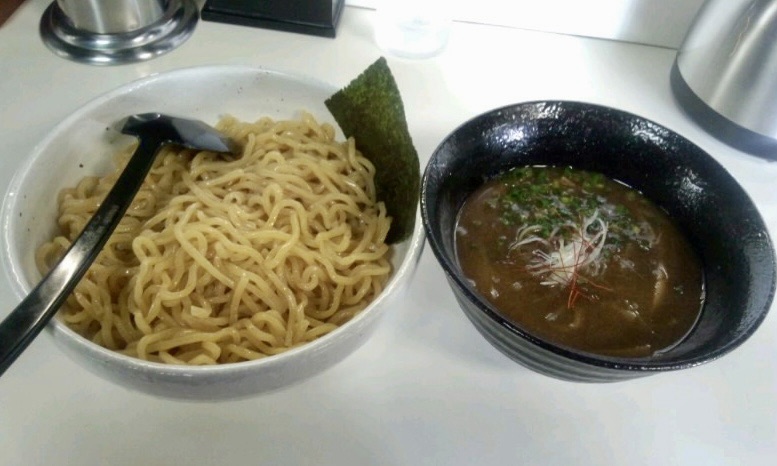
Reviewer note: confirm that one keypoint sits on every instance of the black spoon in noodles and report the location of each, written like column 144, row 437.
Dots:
column 153, row 130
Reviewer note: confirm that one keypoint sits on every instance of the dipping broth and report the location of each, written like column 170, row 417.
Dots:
column 580, row 260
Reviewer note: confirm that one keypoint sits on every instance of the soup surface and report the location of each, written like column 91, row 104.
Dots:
column 581, row 260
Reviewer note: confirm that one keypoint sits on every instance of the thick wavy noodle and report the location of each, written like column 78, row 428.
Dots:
column 221, row 261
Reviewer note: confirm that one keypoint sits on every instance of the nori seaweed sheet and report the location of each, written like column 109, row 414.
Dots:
column 370, row 109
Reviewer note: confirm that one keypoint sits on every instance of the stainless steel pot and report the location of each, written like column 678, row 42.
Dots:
column 116, row 16
column 725, row 73
column 109, row 32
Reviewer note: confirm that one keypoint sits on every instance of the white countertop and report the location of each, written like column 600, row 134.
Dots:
column 426, row 389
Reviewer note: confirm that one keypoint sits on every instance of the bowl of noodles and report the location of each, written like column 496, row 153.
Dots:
column 590, row 244
column 227, row 277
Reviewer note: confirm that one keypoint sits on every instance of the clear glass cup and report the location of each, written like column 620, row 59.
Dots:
column 412, row 28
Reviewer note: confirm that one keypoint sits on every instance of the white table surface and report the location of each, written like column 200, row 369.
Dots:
column 426, row 389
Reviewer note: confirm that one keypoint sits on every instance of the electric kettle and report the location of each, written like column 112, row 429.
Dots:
column 725, row 73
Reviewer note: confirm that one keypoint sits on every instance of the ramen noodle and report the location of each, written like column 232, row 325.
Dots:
column 223, row 260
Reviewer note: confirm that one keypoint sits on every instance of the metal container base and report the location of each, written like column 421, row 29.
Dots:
column 65, row 40
column 717, row 125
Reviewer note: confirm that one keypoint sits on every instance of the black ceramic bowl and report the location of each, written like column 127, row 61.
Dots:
column 710, row 207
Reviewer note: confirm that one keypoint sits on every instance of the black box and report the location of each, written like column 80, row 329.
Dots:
column 316, row 17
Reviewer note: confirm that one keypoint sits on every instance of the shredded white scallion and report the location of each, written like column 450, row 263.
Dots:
column 562, row 264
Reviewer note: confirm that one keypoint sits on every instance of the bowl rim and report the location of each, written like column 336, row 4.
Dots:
column 646, row 364
column 63, row 334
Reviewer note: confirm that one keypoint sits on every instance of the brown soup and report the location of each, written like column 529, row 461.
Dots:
column 580, row 260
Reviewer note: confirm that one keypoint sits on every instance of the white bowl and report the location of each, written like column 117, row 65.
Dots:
column 81, row 145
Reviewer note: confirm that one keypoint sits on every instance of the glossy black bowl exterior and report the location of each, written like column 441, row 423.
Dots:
column 707, row 203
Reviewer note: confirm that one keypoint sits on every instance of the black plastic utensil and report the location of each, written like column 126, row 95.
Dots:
column 153, row 130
